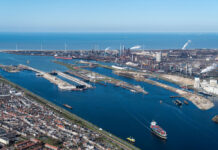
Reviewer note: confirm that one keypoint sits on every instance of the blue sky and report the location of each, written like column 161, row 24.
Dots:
column 109, row 16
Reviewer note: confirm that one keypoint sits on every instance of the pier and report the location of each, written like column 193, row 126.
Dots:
column 60, row 83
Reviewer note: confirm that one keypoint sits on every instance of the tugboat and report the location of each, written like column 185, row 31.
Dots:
column 158, row 131
column 130, row 139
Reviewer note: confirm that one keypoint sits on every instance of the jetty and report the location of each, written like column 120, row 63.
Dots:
column 60, row 83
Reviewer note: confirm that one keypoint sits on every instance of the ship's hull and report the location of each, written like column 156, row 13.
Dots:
column 158, row 135
column 63, row 57
column 67, row 106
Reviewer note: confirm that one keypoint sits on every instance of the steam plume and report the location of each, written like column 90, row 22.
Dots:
column 186, row 44
column 209, row 68
column 108, row 48
column 136, row 47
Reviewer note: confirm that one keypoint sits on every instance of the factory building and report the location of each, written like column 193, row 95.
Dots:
column 158, row 57
column 210, row 87
column 197, row 83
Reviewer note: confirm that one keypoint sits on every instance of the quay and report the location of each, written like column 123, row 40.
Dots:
column 76, row 80
column 199, row 101
column 60, row 83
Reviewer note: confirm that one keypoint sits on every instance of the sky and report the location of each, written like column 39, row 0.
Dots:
column 108, row 15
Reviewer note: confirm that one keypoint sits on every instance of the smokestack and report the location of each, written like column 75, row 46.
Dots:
column 120, row 50
column 123, row 49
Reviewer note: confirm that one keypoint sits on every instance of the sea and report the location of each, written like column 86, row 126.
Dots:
column 101, row 41
column 114, row 109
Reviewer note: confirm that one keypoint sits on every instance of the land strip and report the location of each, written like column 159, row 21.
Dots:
column 108, row 137
column 98, row 78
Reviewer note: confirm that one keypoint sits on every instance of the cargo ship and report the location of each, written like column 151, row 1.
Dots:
column 67, row 106
column 57, row 57
column 158, row 131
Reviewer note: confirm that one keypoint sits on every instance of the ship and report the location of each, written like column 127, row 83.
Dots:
column 67, row 106
column 177, row 96
column 204, row 93
column 158, row 131
column 39, row 74
column 177, row 102
column 134, row 91
column 53, row 73
column 130, row 139
column 57, row 57
column 118, row 67
column 185, row 87
column 186, row 102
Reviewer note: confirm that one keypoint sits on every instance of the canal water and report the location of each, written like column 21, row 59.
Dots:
column 122, row 112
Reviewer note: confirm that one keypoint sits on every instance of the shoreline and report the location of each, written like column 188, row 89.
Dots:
column 199, row 101
column 108, row 137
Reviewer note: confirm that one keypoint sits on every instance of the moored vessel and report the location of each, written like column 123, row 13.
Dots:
column 57, row 57
column 177, row 102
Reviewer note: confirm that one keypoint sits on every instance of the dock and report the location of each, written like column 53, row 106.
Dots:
column 60, row 83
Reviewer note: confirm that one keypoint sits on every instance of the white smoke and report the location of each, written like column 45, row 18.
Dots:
column 136, row 47
column 186, row 44
column 209, row 68
column 108, row 48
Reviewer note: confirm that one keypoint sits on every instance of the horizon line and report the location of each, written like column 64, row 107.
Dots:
column 199, row 32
